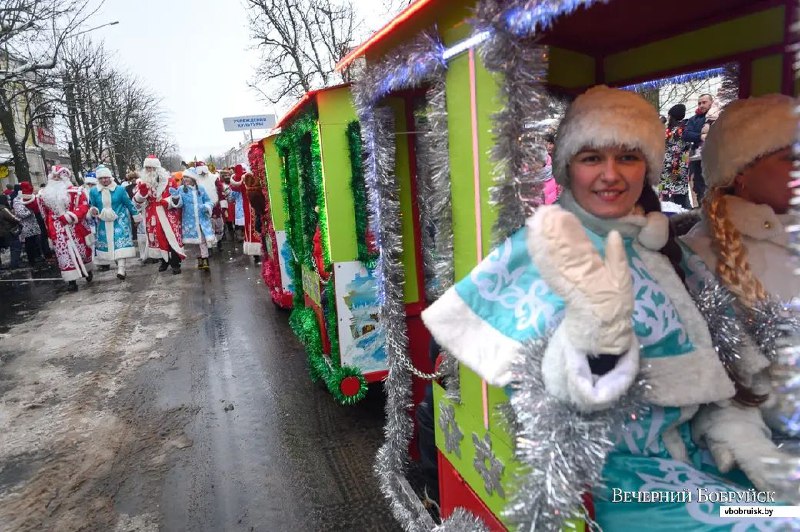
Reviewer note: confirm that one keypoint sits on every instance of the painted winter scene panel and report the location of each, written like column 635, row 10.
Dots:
column 361, row 340
column 285, row 260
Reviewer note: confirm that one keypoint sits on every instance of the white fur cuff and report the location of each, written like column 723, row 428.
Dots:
column 567, row 375
column 471, row 340
column 71, row 217
column 223, row 204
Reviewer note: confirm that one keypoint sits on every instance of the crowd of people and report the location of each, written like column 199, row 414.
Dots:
column 682, row 181
column 154, row 215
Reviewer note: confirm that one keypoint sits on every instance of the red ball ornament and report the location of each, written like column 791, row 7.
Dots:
column 350, row 386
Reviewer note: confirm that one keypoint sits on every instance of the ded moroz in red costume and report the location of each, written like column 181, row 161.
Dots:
column 64, row 208
column 252, row 238
column 162, row 212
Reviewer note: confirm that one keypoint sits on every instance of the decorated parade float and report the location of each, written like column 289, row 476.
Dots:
column 450, row 93
column 322, row 241
column 264, row 163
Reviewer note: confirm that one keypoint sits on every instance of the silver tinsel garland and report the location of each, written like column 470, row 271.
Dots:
column 433, row 190
column 462, row 521
column 784, row 473
column 772, row 325
column 405, row 67
column 715, row 303
column 562, row 449
column 511, row 51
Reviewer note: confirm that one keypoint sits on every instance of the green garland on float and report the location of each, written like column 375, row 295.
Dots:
column 304, row 196
column 302, row 139
column 291, row 198
column 304, row 324
column 359, row 189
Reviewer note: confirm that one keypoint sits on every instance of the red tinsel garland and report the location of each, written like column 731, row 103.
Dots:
column 270, row 267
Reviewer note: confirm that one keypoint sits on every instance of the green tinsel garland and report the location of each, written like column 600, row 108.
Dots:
column 359, row 190
column 304, row 195
column 290, row 191
column 304, row 324
column 306, row 149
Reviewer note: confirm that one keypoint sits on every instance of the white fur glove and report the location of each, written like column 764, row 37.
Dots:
column 223, row 204
column 736, row 435
column 107, row 215
column 599, row 308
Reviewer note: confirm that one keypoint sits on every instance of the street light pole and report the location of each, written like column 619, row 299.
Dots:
column 114, row 23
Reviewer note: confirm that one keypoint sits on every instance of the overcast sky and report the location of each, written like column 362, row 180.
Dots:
column 195, row 54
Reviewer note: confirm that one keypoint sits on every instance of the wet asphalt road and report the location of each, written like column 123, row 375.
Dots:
column 269, row 450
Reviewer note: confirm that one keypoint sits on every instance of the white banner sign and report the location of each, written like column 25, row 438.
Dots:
column 239, row 123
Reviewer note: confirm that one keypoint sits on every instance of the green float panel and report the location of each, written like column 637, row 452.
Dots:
column 462, row 187
column 487, row 101
column 719, row 41
column 767, row 73
column 403, row 174
column 570, row 70
column 335, row 112
column 272, row 166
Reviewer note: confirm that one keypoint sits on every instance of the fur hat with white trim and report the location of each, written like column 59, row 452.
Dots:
column 603, row 117
column 746, row 130
column 103, row 171
column 151, row 161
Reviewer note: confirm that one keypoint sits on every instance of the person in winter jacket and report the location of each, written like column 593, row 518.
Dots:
column 742, row 238
column 31, row 232
column 10, row 227
column 597, row 279
column 692, row 135
column 198, row 209
column 674, row 184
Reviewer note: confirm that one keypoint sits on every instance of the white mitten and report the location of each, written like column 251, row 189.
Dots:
column 736, row 435
column 223, row 204
column 599, row 307
column 107, row 215
column 137, row 218
column 209, row 209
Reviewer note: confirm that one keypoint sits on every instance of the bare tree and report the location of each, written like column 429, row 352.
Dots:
column 32, row 36
column 301, row 42
column 112, row 116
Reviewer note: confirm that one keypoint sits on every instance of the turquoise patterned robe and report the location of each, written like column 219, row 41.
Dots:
column 507, row 293
column 114, row 239
column 196, row 220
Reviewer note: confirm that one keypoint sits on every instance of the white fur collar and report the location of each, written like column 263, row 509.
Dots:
column 651, row 231
column 756, row 221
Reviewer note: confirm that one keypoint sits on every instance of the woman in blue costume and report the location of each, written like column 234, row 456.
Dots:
column 599, row 275
column 115, row 214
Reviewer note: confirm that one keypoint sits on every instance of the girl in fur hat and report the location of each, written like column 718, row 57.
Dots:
column 597, row 277
column 747, row 160
column 197, row 212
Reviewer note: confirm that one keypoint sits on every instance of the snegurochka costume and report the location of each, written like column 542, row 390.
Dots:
column 115, row 212
column 750, row 237
column 198, row 209
column 592, row 286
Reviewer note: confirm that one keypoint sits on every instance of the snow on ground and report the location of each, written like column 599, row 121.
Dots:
column 70, row 422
